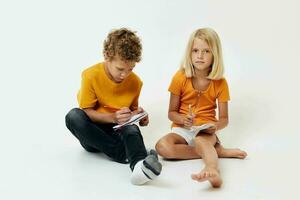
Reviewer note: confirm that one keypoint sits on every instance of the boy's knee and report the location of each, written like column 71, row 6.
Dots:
column 131, row 130
column 73, row 117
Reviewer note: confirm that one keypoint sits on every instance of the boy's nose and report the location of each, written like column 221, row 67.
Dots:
column 124, row 74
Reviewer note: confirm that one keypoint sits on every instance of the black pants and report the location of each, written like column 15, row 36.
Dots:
column 124, row 145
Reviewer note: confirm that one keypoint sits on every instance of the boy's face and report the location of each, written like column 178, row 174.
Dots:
column 202, row 57
column 118, row 69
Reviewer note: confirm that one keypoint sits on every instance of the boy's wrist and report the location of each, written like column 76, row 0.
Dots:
column 113, row 118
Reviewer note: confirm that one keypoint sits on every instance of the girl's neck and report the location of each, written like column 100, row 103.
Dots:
column 202, row 74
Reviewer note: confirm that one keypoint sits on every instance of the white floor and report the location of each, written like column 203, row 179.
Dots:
column 47, row 166
column 46, row 44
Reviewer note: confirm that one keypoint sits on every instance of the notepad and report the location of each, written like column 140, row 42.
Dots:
column 197, row 129
column 133, row 119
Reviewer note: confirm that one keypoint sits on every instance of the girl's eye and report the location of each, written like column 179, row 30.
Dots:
column 195, row 50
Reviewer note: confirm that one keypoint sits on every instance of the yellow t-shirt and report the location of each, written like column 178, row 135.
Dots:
column 101, row 93
column 204, row 103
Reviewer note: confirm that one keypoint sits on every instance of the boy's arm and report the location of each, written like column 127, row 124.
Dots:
column 100, row 117
column 119, row 117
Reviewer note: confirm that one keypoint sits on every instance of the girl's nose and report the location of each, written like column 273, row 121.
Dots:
column 201, row 53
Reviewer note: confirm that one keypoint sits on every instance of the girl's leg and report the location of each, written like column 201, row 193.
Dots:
column 229, row 152
column 204, row 145
column 173, row 146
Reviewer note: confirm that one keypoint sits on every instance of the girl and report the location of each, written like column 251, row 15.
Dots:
column 195, row 89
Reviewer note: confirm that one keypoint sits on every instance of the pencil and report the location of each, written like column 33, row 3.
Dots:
column 190, row 110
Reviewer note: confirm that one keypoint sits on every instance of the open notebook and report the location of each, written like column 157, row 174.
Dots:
column 197, row 129
column 133, row 119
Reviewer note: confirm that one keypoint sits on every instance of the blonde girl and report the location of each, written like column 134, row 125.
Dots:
column 196, row 91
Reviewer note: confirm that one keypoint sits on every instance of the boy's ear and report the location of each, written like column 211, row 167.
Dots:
column 105, row 56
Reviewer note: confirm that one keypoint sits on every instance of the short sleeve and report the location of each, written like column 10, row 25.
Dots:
column 177, row 83
column 135, row 102
column 86, row 96
column 223, row 91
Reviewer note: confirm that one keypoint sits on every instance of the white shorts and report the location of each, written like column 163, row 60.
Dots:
column 188, row 135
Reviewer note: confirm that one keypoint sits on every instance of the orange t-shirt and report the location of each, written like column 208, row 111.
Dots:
column 203, row 104
column 99, row 92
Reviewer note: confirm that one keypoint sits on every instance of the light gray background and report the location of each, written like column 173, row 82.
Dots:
column 44, row 46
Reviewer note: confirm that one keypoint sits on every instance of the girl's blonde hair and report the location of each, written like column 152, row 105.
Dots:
column 213, row 41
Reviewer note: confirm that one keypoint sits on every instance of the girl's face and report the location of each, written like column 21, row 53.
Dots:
column 118, row 70
column 202, row 57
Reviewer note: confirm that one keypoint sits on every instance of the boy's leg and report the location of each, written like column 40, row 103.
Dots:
column 144, row 167
column 133, row 143
column 94, row 137
column 204, row 145
column 89, row 148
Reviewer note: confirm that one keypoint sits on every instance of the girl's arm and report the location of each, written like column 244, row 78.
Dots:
column 174, row 115
column 223, row 115
column 223, row 119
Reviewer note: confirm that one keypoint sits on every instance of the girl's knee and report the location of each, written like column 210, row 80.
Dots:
column 203, row 140
column 164, row 149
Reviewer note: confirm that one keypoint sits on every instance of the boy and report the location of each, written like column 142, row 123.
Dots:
column 109, row 96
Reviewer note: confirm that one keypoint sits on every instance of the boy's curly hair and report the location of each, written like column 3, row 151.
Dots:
column 123, row 43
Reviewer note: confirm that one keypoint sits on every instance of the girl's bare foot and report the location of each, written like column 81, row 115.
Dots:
column 208, row 174
column 230, row 153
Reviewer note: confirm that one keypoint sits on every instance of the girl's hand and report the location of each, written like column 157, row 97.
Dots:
column 123, row 115
column 188, row 121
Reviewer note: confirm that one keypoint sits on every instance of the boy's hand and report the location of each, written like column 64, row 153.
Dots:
column 145, row 120
column 123, row 115
column 188, row 121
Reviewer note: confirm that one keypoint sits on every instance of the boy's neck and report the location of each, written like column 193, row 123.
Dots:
column 107, row 71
